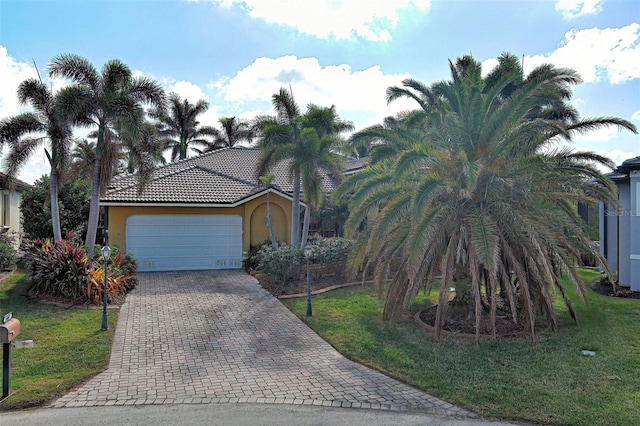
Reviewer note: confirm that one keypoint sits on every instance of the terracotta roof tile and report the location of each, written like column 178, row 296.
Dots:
column 222, row 176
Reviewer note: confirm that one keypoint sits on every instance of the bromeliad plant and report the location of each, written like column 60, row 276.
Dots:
column 64, row 269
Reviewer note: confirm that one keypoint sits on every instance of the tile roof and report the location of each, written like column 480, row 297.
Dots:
column 225, row 176
column 354, row 165
column 14, row 183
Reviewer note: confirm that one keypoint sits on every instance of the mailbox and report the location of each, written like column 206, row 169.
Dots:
column 9, row 330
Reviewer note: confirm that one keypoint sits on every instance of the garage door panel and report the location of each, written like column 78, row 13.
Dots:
column 185, row 242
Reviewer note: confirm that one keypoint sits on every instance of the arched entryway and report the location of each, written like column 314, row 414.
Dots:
column 259, row 232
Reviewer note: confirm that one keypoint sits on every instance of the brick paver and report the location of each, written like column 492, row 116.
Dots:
column 210, row 337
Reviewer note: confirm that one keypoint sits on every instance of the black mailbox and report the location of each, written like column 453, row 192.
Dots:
column 9, row 330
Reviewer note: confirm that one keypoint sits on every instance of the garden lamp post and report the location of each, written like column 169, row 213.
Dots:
column 307, row 255
column 106, row 252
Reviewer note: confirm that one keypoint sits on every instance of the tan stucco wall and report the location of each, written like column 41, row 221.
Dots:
column 259, row 228
column 117, row 218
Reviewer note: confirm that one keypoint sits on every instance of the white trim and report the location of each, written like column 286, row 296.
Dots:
column 634, row 256
column 236, row 204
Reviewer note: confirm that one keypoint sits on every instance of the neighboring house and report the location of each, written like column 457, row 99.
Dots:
column 354, row 165
column 620, row 230
column 10, row 215
column 199, row 213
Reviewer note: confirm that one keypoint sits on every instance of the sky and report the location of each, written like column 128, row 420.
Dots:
column 236, row 54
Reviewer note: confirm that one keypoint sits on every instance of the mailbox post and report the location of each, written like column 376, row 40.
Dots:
column 9, row 330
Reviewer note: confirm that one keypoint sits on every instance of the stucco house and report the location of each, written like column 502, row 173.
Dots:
column 10, row 215
column 620, row 230
column 201, row 212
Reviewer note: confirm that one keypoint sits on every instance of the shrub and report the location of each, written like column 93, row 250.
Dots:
column 283, row 264
column 64, row 269
column 7, row 250
column 60, row 269
column 36, row 208
column 252, row 260
column 328, row 257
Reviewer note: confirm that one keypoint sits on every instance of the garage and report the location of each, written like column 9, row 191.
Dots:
column 174, row 242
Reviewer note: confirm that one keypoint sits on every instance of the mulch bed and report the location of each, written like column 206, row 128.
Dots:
column 278, row 289
column 608, row 290
column 505, row 327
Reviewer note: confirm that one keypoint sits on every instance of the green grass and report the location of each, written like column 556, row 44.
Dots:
column 547, row 382
column 70, row 347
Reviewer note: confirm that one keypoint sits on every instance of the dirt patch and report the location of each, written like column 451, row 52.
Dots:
column 277, row 288
column 608, row 290
column 505, row 327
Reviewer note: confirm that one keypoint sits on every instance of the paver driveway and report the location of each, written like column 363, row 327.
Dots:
column 218, row 337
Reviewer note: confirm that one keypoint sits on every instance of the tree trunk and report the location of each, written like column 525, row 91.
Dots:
column 305, row 226
column 295, row 211
column 94, row 203
column 55, row 211
column 94, row 208
column 183, row 149
column 272, row 235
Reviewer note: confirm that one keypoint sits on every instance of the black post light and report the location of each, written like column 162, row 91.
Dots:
column 307, row 255
column 106, row 253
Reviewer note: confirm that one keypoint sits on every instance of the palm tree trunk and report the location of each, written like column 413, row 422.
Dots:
column 305, row 226
column 94, row 203
column 94, row 207
column 272, row 235
column 295, row 211
column 55, row 211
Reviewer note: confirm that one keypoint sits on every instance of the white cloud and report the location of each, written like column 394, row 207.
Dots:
column 13, row 73
column 189, row 91
column 354, row 93
column 636, row 115
column 343, row 19
column 574, row 8
column 617, row 155
column 600, row 135
column 596, row 54
column 193, row 93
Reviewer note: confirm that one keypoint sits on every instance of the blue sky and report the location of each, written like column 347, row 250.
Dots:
column 237, row 53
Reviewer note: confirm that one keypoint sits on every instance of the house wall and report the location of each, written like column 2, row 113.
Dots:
column 14, row 222
column 256, row 208
column 624, row 237
column 611, row 230
column 259, row 228
column 634, row 230
column 255, row 219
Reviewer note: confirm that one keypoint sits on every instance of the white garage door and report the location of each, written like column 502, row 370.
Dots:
column 174, row 242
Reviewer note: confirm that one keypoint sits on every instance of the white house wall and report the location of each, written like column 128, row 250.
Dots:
column 634, row 230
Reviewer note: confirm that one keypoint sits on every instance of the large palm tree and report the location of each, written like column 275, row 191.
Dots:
column 110, row 99
column 83, row 157
column 26, row 132
column 179, row 126
column 307, row 142
column 485, row 200
column 234, row 130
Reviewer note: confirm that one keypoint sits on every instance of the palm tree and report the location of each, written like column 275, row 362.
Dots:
column 26, row 132
column 307, row 141
column 233, row 131
column 107, row 99
column 312, row 156
column 179, row 127
column 388, row 139
column 83, row 157
column 267, row 180
column 483, row 199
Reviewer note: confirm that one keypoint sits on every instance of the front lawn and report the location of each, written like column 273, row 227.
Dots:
column 70, row 347
column 547, row 382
